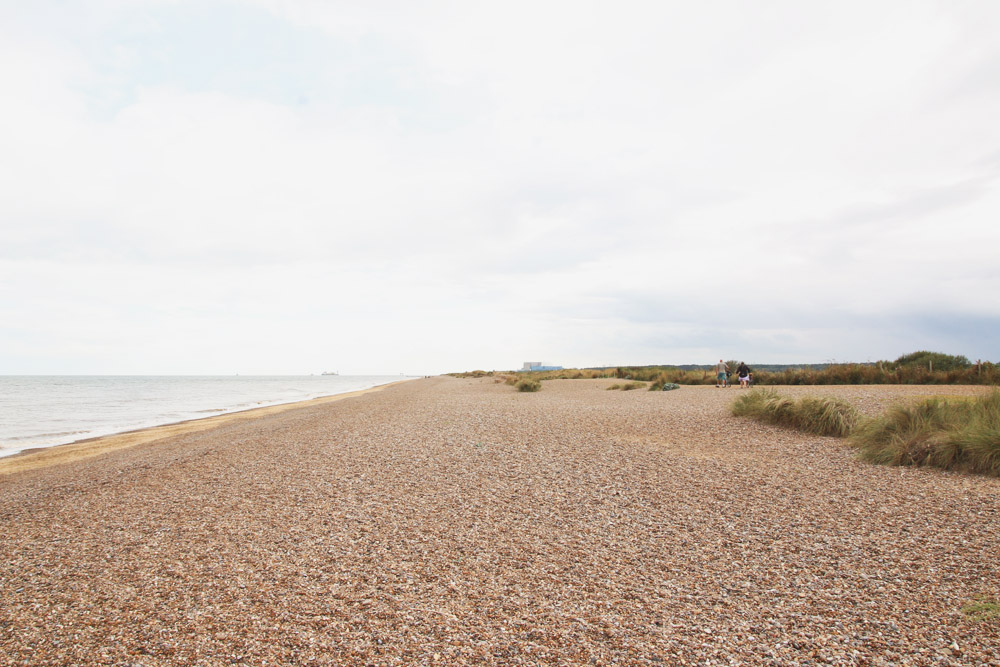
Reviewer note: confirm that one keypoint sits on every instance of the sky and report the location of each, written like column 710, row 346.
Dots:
column 299, row 186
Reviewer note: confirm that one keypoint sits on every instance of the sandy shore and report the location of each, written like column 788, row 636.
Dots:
column 448, row 521
column 42, row 457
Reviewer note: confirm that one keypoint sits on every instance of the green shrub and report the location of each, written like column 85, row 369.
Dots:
column 527, row 384
column 823, row 416
column 939, row 361
column 663, row 385
column 949, row 433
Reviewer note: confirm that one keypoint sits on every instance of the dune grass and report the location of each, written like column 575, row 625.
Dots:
column 945, row 433
column 953, row 433
column 527, row 384
column 822, row 416
column 628, row 386
column 921, row 367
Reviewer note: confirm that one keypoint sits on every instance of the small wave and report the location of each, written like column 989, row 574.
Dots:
column 46, row 411
column 44, row 436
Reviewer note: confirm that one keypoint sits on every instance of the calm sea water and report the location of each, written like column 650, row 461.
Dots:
column 41, row 411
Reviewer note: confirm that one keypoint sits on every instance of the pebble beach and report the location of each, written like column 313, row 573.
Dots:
column 455, row 521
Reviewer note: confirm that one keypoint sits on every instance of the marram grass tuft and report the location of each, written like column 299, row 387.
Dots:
column 528, row 384
column 822, row 416
column 628, row 386
column 954, row 434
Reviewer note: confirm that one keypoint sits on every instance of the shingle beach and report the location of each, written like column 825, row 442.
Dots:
column 451, row 521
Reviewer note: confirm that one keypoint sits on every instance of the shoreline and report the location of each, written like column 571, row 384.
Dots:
column 458, row 522
column 42, row 457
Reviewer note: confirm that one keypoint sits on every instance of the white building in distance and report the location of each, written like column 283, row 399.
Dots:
column 539, row 366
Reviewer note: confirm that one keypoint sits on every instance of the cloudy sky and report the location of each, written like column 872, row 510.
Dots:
column 292, row 186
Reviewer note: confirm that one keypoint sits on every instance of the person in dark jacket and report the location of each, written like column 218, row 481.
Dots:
column 743, row 373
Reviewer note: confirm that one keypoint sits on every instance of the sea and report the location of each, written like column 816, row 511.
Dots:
column 48, row 410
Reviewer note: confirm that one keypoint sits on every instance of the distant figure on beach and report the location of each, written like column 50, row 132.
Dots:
column 743, row 373
column 721, row 373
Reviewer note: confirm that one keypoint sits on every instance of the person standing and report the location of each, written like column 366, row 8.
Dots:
column 720, row 373
column 743, row 373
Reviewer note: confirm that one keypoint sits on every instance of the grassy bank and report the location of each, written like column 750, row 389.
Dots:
column 954, row 433
column 945, row 433
column 915, row 368
column 822, row 416
column 884, row 373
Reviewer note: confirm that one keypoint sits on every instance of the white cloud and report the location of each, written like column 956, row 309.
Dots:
column 435, row 186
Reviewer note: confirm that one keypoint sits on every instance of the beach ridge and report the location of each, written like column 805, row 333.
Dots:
column 448, row 521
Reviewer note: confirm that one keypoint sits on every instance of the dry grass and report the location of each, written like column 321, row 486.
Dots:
column 946, row 433
column 628, row 386
column 822, row 416
column 528, row 385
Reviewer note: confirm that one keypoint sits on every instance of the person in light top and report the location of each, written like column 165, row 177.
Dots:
column 721, row 370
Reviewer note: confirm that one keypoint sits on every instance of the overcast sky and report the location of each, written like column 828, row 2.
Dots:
column 294, row 186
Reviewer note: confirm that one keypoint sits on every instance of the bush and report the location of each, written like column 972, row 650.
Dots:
column 663, row 385
column 527, row 384
column 945, row 433
column 939, row 361
column 822, row 416
column 666, row 386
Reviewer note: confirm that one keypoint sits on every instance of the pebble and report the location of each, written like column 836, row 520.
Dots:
column 454, row 522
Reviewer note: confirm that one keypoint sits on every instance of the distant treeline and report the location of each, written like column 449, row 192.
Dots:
column 915, row 368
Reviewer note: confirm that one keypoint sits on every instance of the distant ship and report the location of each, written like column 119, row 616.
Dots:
column 329, row 373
